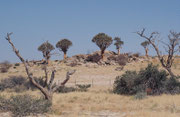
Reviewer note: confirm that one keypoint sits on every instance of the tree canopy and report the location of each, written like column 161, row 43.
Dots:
column 102, row 40
column 145, row 44
column 64, row 45
column 46, row 47
column 118, row 42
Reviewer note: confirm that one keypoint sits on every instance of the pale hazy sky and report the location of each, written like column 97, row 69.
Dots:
column 35, row 21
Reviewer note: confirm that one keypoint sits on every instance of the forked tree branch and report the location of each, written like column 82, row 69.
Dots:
column 30, row 75
column 47, row 89
column 68, row 74
column 51, row 80
column 173, row 42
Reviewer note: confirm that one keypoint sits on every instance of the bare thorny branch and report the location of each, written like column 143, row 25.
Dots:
column 48, row 88
column 170, row 48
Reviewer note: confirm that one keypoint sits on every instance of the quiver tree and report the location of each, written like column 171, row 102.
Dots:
column 118, row 43
column 145, row 46
column 103, row 41
column 64, row 45
column 46, row 49
column 49, row 86
column 171, row 48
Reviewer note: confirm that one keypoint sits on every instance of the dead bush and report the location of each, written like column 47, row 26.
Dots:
column 73, row 64
column 13, row 82
column 120, row 59
column 95, row 58
column 19, row 84
column 136, row 54
column 4, row 66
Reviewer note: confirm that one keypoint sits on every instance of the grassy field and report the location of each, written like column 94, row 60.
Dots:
column 99, row 101
column 104, row 104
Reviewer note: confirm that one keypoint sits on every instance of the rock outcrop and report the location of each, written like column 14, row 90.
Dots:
column 94, row 59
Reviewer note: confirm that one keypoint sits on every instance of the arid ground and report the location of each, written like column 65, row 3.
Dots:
column 99, row 101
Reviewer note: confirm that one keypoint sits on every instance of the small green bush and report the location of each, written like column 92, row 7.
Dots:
column 152, row 79
column 171, row 86
column 140, row 95
column 80, row 87
column 125, row 84
column 17, row 64
column 83, row 88
column 24, row 105
column 149, row 80
column 64, row 89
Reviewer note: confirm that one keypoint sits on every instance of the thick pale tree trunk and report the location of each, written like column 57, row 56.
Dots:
column 147, row 50
column 65, row 55
column 102, row 54
column 118, row 51
column 49, row 96
column 47, row 57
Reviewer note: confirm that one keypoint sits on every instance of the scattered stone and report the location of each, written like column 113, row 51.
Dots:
column 110, row 58
column 91, row 65
column 5, row 114
column 119, row 68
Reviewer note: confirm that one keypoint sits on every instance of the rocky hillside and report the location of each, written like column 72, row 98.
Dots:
column 111, row 58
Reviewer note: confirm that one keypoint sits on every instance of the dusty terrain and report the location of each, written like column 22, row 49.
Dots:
column 98, row 101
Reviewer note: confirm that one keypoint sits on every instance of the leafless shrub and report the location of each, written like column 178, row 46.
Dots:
column 136, row 54
column 73, row 64
column 120, row 59
column 4, row 66
column 15, row 83
column 95, row 58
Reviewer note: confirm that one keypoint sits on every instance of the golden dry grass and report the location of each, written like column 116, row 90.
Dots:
column 100, row 75
column 90, row 102
column 99, row 103
column 98, row 100
column 96, row 104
